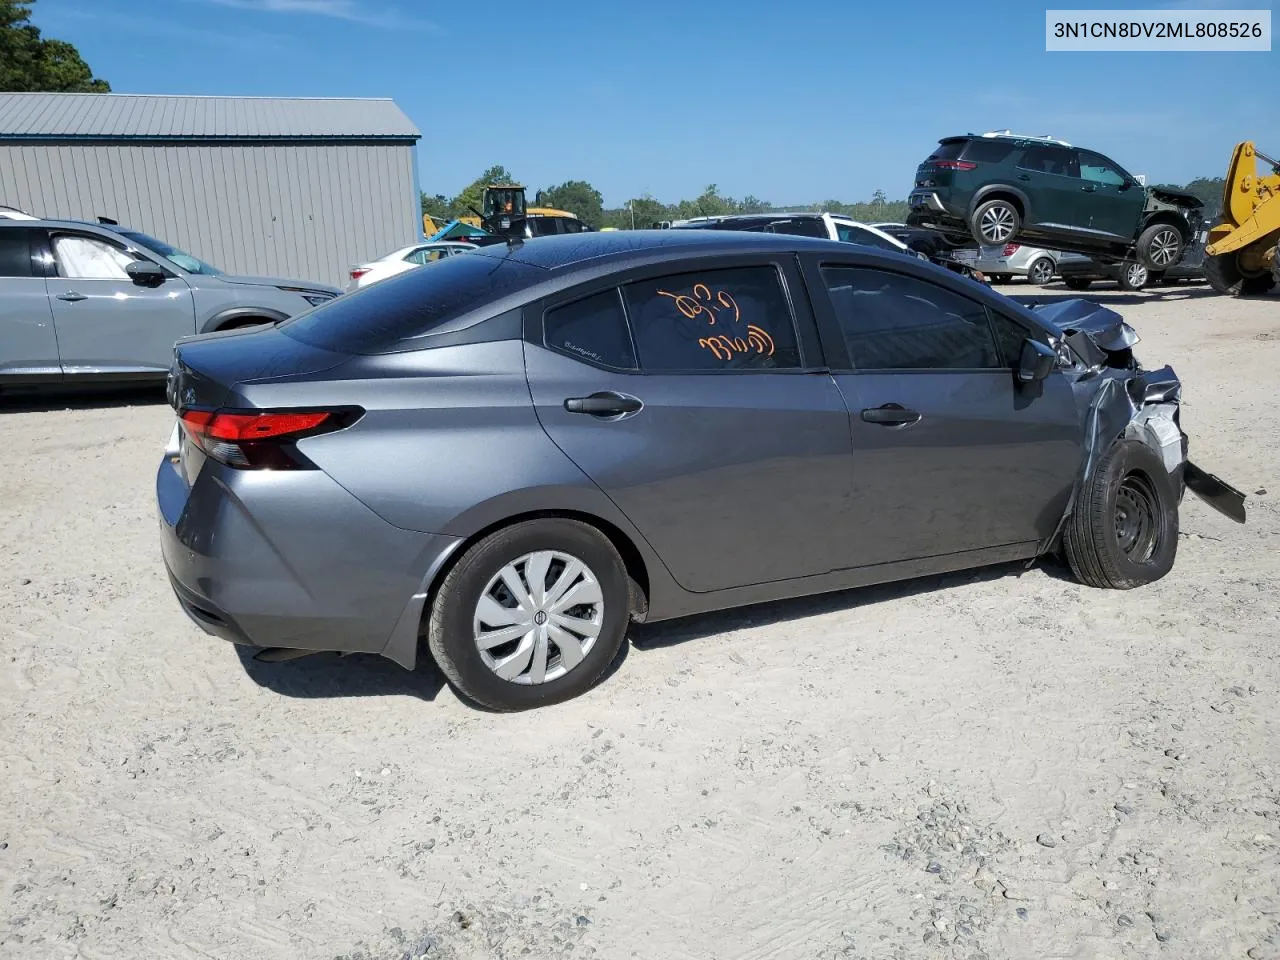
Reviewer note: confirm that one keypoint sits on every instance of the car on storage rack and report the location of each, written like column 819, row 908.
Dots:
column 514, row 453
column 1004, row 262
column 1079, row 272
column 85, row 302
column 1000, row 187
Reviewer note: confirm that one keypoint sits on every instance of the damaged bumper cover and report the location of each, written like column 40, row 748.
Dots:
column 1122, row 400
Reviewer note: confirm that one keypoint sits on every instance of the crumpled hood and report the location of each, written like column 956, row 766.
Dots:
column 1177, row 196
column 279, row 282
column 1104, row 327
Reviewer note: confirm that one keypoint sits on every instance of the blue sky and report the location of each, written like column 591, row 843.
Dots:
column 798, row 101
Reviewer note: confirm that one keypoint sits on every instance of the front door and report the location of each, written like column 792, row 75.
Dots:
column 704, row 420
column 105, row 322
column 1113, row 201
column 28, row 346
column 950, row 455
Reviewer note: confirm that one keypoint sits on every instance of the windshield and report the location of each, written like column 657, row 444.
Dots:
column 171, row 253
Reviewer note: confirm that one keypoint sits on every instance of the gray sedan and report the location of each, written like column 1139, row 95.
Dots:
column 515, row 453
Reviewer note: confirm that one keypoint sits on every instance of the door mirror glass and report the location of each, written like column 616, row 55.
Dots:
column 1036, row 361
column 145, row 273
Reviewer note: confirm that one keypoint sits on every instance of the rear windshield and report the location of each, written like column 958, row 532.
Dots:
column 948, row 151
column 388, row 315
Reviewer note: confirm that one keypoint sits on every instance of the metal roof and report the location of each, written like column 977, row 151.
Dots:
column 132, row 116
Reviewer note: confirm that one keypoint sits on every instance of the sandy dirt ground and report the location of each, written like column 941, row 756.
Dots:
column 985, row 765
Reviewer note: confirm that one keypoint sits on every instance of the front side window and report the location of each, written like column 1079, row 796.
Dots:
column 88, row 258
column 1098, row 169
column 427, row 255
column 729, row 319
column 593, row 329
column 895, row 322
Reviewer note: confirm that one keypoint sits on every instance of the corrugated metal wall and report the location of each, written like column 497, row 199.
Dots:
column 303, row 211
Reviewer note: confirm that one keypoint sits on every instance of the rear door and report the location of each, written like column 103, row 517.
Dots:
column 949, row 454
column 697, row 400
column 1050, row 176
column 105, row 322
column 28, row 344
column 1113, row 201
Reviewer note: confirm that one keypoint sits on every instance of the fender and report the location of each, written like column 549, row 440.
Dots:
column 1170, row 217
column 984, row 192
column 222, row 317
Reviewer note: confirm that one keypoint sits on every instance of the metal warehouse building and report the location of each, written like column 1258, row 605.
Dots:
column 299, row 188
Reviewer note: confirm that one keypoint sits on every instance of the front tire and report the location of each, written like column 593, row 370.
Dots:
column 1133, row 276
column 531, row 615
column 1041, row 271
column 1159, row 247
column 1123, row 531
column 995, row 222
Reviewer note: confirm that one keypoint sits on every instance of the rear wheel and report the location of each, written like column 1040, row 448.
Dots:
column 1123, row 531
column 531, row 615
column 1078, row 283
column 995, row 222
column 1041, row 271
column 1159, row 246
column 1133, row 276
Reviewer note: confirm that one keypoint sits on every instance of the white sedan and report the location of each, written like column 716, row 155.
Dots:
column 406, row 258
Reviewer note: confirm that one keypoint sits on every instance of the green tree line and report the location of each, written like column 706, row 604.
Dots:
column 30, row 63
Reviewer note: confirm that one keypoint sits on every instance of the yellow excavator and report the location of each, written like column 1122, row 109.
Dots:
column 1242, row 255
column 502, row 205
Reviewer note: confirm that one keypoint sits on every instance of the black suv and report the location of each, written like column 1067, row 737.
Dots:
column 998, row 187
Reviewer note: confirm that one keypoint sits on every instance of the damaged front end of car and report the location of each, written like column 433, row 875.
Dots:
column 1119, row 399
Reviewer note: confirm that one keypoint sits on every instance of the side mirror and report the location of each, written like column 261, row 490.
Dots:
column 1036, row 362
column 145, row 273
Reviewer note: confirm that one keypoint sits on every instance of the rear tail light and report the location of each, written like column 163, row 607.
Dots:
column 358, row 272
column 262, row 439
column 955, row 164
column 1010, row 249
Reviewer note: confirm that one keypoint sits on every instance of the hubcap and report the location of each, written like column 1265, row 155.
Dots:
column 1137, row 275
column 1164, row 248
column 997, row 224
column 1137, row 531
column 539, row 617
column 1042, row 273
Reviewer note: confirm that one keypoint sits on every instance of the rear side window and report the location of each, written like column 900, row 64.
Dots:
column 1056, row 160
column 389, row 315
column 948, row 151
column 988, row 151
column 732, row 319
column 15, row 253
column 593, row 329
column 895, row 322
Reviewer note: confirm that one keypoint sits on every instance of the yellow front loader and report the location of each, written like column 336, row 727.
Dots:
column 1242, row 256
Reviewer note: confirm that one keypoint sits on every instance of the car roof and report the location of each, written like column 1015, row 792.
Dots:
column 77, row 224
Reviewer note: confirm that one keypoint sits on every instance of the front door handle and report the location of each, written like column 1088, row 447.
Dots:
column 603, row 404
column 890, row 415
column 72, row 297
column 1024, row 176
column 1089, row 188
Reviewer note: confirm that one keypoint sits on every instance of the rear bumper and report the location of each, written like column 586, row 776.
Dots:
column 290, row 559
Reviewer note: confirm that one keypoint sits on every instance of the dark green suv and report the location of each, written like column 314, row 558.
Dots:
column 997, row 187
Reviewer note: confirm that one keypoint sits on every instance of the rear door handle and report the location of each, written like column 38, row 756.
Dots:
column 603, row 404
column 72, row 297
column 890, row 415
